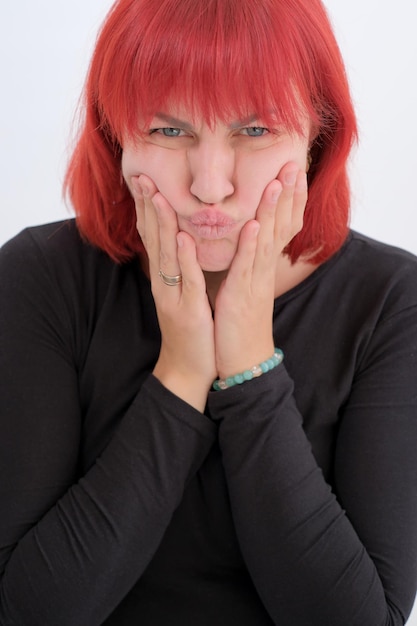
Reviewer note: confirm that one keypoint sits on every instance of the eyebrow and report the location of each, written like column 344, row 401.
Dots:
column 175, row 122
column 244, row 122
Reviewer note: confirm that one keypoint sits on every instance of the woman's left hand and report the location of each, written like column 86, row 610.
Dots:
column 244, row 303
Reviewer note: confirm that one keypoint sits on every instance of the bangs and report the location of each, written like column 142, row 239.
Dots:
column 212, row 57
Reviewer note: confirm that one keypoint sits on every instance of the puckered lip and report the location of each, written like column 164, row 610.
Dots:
column 211, row 224
column 211, row 217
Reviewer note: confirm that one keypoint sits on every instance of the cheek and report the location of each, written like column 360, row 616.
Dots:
column 254, row 172
column 298, row 152
column 132, row 163
column 164, row 168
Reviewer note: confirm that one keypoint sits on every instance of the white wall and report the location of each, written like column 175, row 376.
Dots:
column 44, row 51
column 379, row 43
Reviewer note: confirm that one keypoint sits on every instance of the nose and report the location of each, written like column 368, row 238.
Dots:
column 212, row 168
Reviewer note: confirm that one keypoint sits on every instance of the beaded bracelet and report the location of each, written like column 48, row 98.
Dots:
column 254, row 372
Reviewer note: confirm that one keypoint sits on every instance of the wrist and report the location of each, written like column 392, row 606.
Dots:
column 192, row 389
column 253, row 372
column 243, row 360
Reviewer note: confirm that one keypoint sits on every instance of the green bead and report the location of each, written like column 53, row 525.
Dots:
column 257, row 370
column 279, row 355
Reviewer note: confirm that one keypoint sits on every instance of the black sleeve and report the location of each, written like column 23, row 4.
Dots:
column 70, row 547
column 321, row 556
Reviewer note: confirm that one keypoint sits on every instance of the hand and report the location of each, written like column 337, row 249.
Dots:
column 244, row 304
column 186, row 363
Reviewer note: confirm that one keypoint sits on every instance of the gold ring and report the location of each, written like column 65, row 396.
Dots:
column 171, row 281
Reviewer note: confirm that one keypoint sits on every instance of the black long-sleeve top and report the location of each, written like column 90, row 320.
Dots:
column 291, row 501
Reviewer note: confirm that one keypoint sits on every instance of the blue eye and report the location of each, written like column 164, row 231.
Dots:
column 167, row 131
column 256, row 131
column 171, row 132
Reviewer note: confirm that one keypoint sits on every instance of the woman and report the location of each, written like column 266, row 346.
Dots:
column 134, row 490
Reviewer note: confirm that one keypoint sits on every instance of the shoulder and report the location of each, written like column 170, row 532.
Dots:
column 55, row 285
column 54, row 252
column 46, row 244
column 375, row 253
column 53, row 266
column 377, row 272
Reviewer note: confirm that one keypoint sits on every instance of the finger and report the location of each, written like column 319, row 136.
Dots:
column 291, row 204
column 168, row 230
column 150, row 224
column 137, row 194
column 285, row 227
column 266, row 216
column 300, row 200
column 192, row 275
column 242, row 267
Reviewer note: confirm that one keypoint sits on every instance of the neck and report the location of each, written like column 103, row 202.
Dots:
column 213, row 282
column 289, row 275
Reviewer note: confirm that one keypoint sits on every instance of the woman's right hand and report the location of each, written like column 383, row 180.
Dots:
column 186, row 363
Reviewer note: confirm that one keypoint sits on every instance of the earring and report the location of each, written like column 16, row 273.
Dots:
column 309, row 160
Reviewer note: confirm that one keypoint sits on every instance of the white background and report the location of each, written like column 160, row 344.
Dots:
column 44, row 51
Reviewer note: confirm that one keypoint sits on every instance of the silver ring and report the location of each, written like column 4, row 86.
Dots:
column 171, row 281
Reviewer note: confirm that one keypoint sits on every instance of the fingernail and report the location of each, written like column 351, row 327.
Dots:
column 145, row 189
column 290, row 178
column 136, row 186
column 275, row 193
column 142, row 186
column 274, row 196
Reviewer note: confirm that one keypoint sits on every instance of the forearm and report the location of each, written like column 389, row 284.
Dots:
column 78, row 562
column 304, row 555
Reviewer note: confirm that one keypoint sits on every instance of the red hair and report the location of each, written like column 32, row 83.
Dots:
column 220, row 58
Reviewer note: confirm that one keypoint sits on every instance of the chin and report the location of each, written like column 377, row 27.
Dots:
column 216, row 258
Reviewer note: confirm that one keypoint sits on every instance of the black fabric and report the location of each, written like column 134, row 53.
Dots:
column 291, row 501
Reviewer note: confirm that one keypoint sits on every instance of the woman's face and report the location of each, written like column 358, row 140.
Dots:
column 213, row 177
